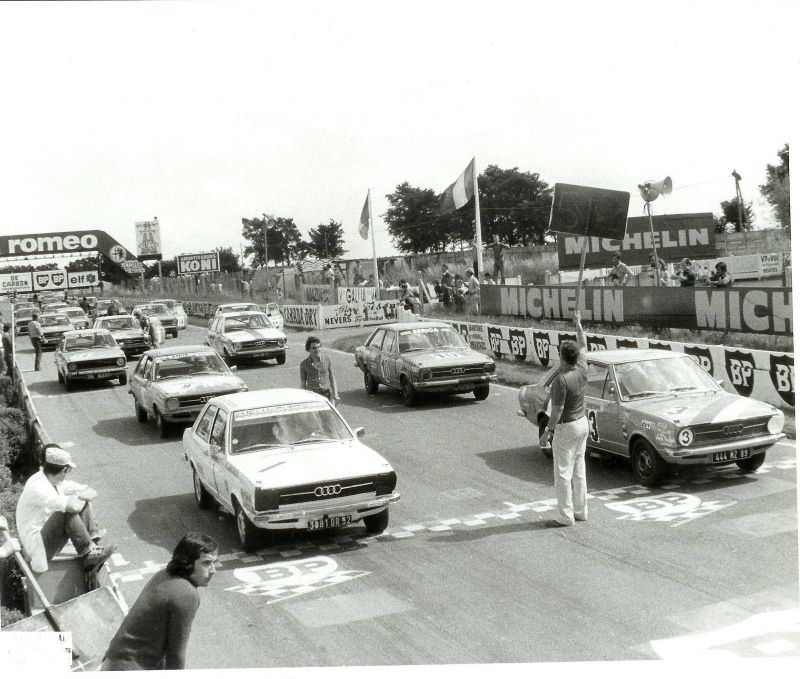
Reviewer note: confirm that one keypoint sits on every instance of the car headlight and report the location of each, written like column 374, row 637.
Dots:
column 120, row 361
column 775, row 424
column 72, row 367
column 685, row 437
column 488, row 368
column 237, row 346
column 283, row 342
column 172, row 404
column 425, row 374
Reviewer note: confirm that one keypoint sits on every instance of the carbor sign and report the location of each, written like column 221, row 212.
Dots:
column 63, row 242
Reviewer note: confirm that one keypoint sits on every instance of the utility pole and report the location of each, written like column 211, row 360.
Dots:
column 269, row 220
column 739, row 203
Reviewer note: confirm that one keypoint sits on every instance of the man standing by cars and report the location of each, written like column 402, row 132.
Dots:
column 8, row 350
column 316, row 371
column 155, row 633
column 53, row 510
column 35, row 333
column 568, row 428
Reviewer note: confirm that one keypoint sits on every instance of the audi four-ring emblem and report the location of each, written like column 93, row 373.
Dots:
column 327, row 491
column 733, row 429
column 457, row 371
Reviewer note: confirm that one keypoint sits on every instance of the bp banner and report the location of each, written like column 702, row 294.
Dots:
column 676, row 237
column 49, row 280
column 757, row 310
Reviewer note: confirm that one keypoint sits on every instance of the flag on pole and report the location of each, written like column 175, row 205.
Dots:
column 363, row 223
column 459, row 193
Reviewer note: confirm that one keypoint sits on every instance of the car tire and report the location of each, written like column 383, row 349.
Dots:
column 647, row 463
column 481, row 393
column 123, row 379
column 409, row 393
column 175, row 335
column 201, row 495
column 164, row 428
column 547, row 452
column 248, row 533
column 370, row 384
column 227, row 357
column 141, row 413
column 377, row 523
column 280, row 359
column 751, row 463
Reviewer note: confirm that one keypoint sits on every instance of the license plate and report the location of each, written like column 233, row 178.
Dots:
column 329, row 522
column 730, row 455
column 259, row 354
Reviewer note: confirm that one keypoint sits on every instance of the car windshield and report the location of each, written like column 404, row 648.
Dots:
column 104, row 304
column 46, row 321
column 157, row 309
column 657, row 377
column 74, row 313
column 183, row 365
column 288, row 425
column 246, row 322
column 232, row 308
column 169, row 303
column 23, row 314
column 417, row 339
column 126, row 323
column 95, row 340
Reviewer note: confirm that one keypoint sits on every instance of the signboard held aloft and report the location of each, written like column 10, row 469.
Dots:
column 589, row 211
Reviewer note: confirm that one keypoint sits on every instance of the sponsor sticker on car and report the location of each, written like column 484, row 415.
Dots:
column 268, row 411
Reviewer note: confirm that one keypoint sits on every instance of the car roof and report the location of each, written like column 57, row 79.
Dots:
column 54, row 312
column 418, row 324
column 87, row 331
column 234, row 304
column 164, row 299
column 243, row 312
column 183, row 349
column 105, row 318
column 72, row 308
column 630, row 355
column 264, row 398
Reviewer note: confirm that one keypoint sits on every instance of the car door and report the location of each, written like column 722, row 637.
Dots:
column 213, row 332
column 602, row 410
column 389, row 359
column 140, row 380
column 218, row 454
column 372, row 353
column 200, row 454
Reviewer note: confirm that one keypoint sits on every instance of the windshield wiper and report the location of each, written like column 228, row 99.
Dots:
column 207, row 372
column 686, row 388
column 314, row 439
column 648, row 393
column 260, row 445
column 169, row 377
column 408, row 351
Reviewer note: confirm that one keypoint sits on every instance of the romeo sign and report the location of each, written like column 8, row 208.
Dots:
column 63, row 242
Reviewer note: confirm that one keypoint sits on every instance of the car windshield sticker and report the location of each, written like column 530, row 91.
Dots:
column 419, row 331
column 256, row 413
column 171, row 357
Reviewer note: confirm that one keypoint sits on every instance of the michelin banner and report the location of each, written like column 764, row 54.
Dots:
column 762, row 310
column 764, row 375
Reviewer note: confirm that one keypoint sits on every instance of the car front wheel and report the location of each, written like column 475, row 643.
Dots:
column 123, row 379
column 647, row 463
column 370, row 384
column 280, row 359
column 162, row 425
column 203, row 497
column 409, row 394
column 141, row 413
column 377, row 523
column 751, row 463
column 248, row 533
column 481, row 393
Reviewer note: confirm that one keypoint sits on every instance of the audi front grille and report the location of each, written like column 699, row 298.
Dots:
column 457, row 371
column 719, row 432
column 98, row 363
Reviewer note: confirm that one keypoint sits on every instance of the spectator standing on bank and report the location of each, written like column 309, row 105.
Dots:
column 155, row 633
column 661, row 270
column 497, row 247
column 473, row 244
column 8, row 350
column 620, row 273
column 568, row 429
column 473, row 293
column 316, row 371
column 686, row 275
column 35, row 333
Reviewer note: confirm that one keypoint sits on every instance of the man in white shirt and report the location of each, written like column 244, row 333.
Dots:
column 53, row 510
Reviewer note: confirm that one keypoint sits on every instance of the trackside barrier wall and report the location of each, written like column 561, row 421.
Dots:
column 39, row 435
column 764, row 375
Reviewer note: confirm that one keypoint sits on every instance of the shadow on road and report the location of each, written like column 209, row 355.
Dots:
column 390, row 401
column 468, row 534
column 55, row 388
column 130, row 432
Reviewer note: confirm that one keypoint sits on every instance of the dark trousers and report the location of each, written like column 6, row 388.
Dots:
column 37, row 350
column 9, row 365
column 499, row 271
column 66, row 526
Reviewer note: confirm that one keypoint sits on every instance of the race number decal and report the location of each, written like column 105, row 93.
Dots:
column 388, row 369
column 740, row 366
column 781, row 372
column 593, row 434
column 541, row 345
column 701, row 356
column 519, row 346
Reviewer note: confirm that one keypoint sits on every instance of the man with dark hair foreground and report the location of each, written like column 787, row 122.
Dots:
column 569, row 429
column 155, row 633
column 53, row 510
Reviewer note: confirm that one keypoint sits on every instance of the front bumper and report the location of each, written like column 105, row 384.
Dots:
column 257, row 352
column 298, row 517
column 50, row 342
column 454, row 385
column 88, row 374
column 704, row 456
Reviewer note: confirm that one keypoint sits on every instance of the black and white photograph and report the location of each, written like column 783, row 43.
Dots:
column 445, row 338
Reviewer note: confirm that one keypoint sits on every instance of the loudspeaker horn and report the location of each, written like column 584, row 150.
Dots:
column 651, row 189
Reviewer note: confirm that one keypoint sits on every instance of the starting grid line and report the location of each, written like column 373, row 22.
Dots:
column 512, row 512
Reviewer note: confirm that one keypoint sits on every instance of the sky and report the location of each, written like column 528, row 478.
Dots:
column 202, row 113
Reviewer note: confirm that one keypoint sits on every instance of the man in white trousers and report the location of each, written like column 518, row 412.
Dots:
column 568, row 428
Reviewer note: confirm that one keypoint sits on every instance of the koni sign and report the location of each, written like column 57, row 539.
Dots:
column 63, row 242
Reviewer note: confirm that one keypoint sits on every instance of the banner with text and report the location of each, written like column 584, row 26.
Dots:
column 358, row 314
column 349, row 295
column 201, row 262
column 757, row 309
column 676, row 237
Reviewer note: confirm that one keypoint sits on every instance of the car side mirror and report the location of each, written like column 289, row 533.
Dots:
column 721, row 383
column 359, row 432
column 234, row 368
column 612, row 390
column 216, row 450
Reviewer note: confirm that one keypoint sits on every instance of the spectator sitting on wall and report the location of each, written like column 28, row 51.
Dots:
column 487, row 278
column 369, row 283
column 620, row 273
column 720, row 278
column 686, row 275
column 650, row 270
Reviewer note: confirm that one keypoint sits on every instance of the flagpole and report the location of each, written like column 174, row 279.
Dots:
column 372, row 231
column 478, row 237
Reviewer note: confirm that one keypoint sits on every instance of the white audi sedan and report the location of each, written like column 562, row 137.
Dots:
column 246, row 335
column 281, row 459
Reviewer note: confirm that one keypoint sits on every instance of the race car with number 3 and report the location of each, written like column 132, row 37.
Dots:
column 283, row 459
column 663, row 411
column 423, row 357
